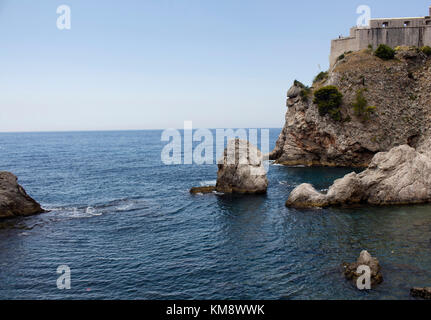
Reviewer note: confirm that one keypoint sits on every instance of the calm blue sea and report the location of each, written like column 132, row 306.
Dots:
column 128, row 228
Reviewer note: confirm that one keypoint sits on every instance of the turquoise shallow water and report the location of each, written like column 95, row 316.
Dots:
column 128, row 228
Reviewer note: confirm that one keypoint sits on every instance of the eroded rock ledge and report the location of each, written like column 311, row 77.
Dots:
column 400, row 176
column 240, row 171
column 14, row 201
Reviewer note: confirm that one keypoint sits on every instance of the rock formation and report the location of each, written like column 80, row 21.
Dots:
column 241, row 170
column 203, row 190
column 424, row 293
column 14, row 201
column 400, row 176
column 350, row 269
column 400, row 89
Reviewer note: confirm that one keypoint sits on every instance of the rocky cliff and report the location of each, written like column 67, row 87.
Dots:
column 399, row 92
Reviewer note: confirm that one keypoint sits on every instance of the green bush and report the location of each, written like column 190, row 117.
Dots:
column 426, row 50
column 328, row 100
column 298, row 84
column 341, row 57
column 305, row 93
column 321, row 76
column 360, row 106
column 385, row 52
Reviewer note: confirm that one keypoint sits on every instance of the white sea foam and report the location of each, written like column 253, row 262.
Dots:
column 92, row 211
column 286, row 183
column 208, row 183
column 125, row 207
column 122, row 205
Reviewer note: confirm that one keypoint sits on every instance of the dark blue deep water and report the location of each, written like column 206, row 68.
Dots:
column 128, row 228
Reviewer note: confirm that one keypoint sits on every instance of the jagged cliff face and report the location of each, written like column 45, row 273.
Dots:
column 400, row 89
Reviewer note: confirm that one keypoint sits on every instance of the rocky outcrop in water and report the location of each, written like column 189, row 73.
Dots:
column 203, row 190
column 350, row 269
column 400, row 91
column 400, row 176
column 241, row 170
column 424, row 293
column 14, row 201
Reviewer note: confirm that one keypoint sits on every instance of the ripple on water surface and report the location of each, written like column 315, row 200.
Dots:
column 128, row 228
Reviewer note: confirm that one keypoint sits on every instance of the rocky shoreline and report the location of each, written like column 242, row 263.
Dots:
column 400, row 176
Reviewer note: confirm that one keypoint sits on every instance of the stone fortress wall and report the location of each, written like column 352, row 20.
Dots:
column 391, row 31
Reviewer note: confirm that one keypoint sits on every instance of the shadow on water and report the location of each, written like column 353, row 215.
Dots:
column 241, row 218
column 236, row 204
column 319, row 177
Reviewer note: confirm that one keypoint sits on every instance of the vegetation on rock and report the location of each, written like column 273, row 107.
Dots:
column 385, row 52
column 426, row 50
column 360, row 106
column 305, row 93
column 321, row 76
column 298, row 84
column 328, row 100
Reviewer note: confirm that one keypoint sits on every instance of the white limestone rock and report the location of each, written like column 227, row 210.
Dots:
column 400, row 176
column 241, row 170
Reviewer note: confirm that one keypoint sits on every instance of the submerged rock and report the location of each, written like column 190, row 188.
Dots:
column 424, row 293
column 202, row 190
column 350, row 269
column 400, row 176
column 241, row 170
column 14, row 201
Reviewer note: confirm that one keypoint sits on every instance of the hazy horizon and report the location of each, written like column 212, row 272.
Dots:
column 150, row 65
column 132, row 130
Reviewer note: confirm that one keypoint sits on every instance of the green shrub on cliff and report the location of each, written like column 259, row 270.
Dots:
column 385, row 52
column 360, row 106
column 426, row 50
column 298, row 84
column 321, row 76
column 305, row 93
column 328, row 100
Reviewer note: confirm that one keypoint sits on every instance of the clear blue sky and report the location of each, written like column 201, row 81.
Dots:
column 152, row 64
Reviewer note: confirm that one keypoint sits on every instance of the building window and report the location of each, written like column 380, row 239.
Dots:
column 428, row 22
column 406, row 23
column 385, row 24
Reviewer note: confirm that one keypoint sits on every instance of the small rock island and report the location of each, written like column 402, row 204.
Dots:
column 240, row 171
column 364, row 259
column 14, row 201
